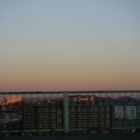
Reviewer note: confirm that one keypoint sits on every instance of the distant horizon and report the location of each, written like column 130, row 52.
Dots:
column 68, row 91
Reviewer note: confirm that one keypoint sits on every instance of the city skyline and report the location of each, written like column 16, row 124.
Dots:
column 69, row 45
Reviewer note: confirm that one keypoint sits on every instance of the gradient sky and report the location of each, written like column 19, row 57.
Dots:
column 69, row 44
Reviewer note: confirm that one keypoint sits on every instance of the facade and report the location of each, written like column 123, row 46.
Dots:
column 89, row 113
column 42, row 118
column 126, row 112
column 10, row 117
column 29, row 116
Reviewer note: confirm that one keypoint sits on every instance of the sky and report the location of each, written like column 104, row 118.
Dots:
column 69, row 45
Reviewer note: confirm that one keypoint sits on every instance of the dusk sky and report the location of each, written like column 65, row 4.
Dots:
column 69, row 45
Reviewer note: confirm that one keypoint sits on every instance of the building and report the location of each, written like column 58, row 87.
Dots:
column 90, row 113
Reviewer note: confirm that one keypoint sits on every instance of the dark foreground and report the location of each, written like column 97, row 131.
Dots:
column 91, row 137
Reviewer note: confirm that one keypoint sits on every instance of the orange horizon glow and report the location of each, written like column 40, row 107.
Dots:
column 83, row 86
